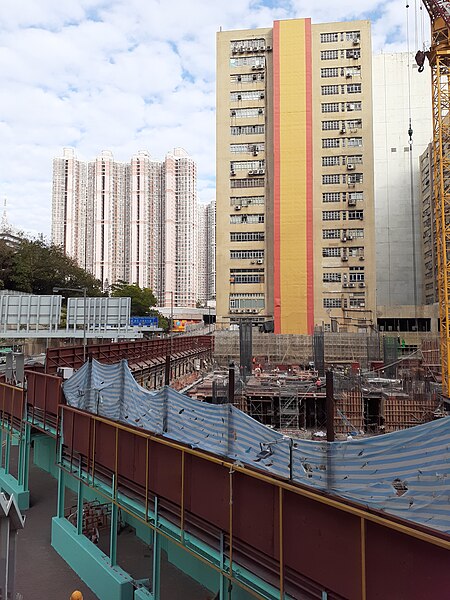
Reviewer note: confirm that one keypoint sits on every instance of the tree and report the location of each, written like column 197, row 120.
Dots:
column 142, row 299
column 35, row 267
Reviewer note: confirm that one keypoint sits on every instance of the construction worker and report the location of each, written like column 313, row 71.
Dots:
column 76, row 595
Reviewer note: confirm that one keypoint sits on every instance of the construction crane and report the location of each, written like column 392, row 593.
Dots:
column 439, row 59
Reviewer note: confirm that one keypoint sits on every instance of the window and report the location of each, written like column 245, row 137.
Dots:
column 355, row 233
column 330, row 179
column 331, row 161
column 357, row 302
column 247, row 61
column 355, row 160
column 354, row 215
column 329, row 72
column 329, row 90
column 246, row 113
column 355, row 178
column 250, row 148
column 247, row 130
column 330, row 125
column 247, row 78
column 331, row 143
column 356, row 274
column 354, row 124
column 354, row 142
column 331, row 234
column 247, row 45
column 331, row 252
column 331, row 197
column 354, row 196
column 245, row 165
column 247, row 183
column 353, row 106
column 250, row 301
column 247, row 95
column 332, row 302
column 246, row 200
column 246, row 254
column 354, row 71
column 238, row 276
column 329, row 37
column 247, row 236
column 328, row 107
column 329, row 54
column 331, row 277
column 331, row 215
column 354, row 88
column 243, row 219
column 352, row 35
column 353, row 53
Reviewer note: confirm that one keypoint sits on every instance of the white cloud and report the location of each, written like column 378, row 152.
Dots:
column 126, row 75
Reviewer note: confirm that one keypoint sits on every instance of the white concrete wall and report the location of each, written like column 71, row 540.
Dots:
column 395, row 96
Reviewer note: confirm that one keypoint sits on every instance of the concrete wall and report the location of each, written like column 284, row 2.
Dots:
column 398, row 91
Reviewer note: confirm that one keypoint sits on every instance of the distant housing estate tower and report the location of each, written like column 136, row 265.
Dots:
column 207, row 251
column 133, row 221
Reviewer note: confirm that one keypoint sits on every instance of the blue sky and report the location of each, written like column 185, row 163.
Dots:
column 126, row 75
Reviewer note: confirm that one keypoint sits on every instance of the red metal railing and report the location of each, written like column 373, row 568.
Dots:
column 72, row 356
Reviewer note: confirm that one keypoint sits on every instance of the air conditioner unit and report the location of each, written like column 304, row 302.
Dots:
column 233, row 113
column 254, row 67
column 239, row 78
column 269, row 48
column 261, row 96
column 351, row 285
column 260, row 111
column 252, row 262
column 355, row 41
column 64, row 372
column 252, row 172
column 343, row 238
column 237, row 207
column 351, row 184
column 345, row 285
column 239, row 97
column 348, row 75
column 350, row 167
column 344, row 258
column 259, row 261
column 362, row 304
column 261, row 171
column 349, row 237
column 361, row 258
column 361, row 217
column 255, row 152
column 343, row 130
column 232, row 173
column 255, row 48
column 362, row 284
column 234, row 51
column 254, row 77
column 351, row 202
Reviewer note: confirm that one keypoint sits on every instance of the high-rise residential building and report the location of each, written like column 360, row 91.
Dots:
column 295, row 200
column 402, row 119
column 428, row 228
column 134, row 222
column 206, row 251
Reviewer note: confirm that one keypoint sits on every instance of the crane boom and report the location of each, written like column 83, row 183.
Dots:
column 439, row 58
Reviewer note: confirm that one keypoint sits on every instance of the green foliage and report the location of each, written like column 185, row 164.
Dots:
column 142, row 299
column 35, row 267
column 162, row 321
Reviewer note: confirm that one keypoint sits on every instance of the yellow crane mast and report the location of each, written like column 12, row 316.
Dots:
column 439, row 59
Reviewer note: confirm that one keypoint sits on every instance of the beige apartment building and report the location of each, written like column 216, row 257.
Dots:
column 295, row 201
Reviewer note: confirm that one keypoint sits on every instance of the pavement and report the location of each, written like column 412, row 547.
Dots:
column 42, row 573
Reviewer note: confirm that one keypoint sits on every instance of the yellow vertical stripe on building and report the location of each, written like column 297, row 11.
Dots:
column 293, row 178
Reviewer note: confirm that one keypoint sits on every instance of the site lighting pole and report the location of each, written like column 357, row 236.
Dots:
column 84, row 290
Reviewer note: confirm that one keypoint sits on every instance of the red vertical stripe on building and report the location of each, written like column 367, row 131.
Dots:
column 309, row 179
column 276, row 178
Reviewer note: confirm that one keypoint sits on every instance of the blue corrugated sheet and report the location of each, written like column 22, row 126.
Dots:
column 406, row 473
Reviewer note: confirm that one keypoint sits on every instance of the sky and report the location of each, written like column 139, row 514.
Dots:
column 126, row 75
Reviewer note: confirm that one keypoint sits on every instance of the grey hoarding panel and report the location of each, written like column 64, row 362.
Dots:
column 29, row 312
column 100, row 314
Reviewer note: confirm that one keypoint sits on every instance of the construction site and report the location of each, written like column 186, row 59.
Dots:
column 380, row 383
